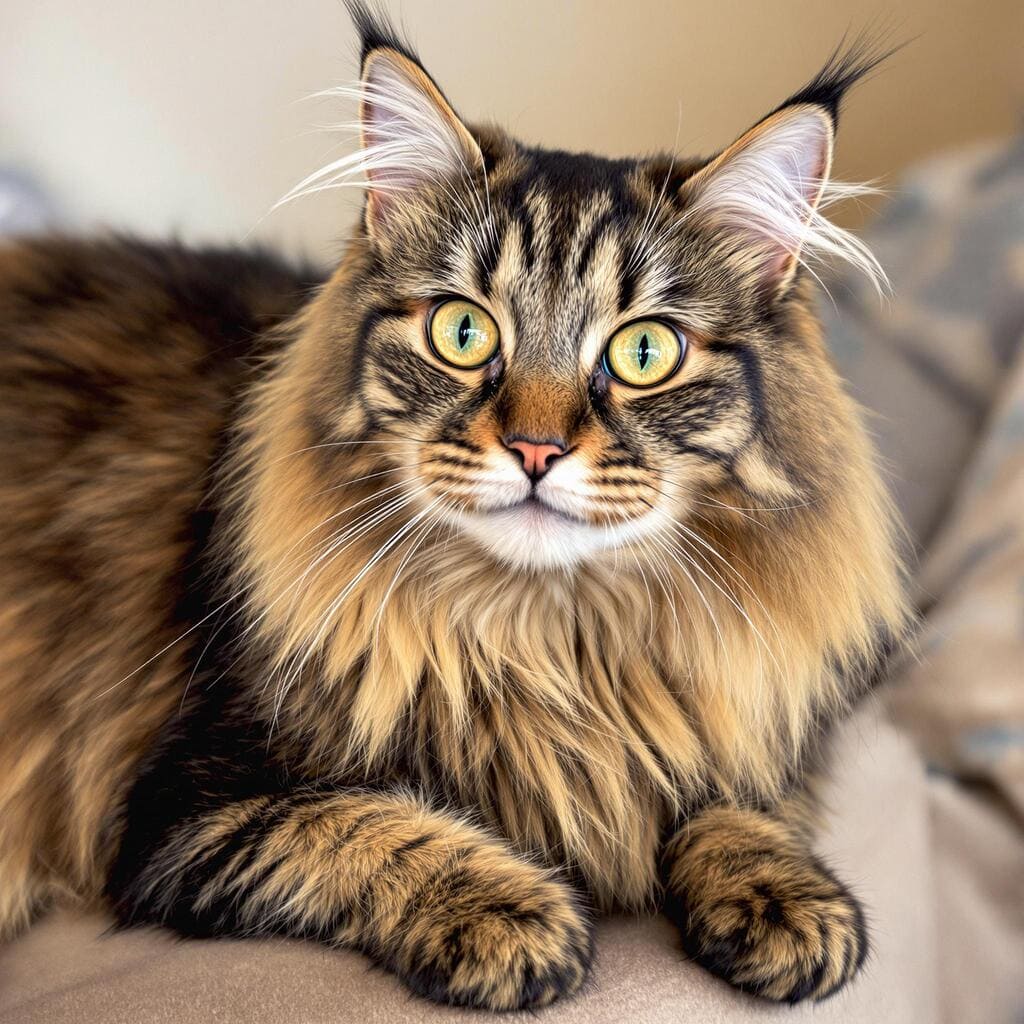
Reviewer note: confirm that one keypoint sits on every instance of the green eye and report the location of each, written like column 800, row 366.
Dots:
column 462, row 334
column 644, row 353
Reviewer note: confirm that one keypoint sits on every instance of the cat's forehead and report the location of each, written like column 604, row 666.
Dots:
column 575, row 247
column 579, row 176
column 561, row 195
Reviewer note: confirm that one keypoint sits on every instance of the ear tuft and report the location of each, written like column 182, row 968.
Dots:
column 410, row 136
column 376, row 32
column 768, row 191
column 847, row 65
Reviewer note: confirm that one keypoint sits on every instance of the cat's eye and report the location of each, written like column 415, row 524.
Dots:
column 644, row 353
column 462, row 334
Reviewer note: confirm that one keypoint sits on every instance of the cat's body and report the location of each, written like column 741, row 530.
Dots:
column 121, row 368
column 290, row 643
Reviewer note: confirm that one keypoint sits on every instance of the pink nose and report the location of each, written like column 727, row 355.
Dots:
column 537, row 456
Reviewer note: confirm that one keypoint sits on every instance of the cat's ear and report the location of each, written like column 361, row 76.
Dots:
column 765, row 190
column 768, row 189
column 411, row 136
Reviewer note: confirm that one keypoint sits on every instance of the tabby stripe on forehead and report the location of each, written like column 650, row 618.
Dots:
column 488, row 262
column 627, row 278
column 597, row 231
column 525, row 221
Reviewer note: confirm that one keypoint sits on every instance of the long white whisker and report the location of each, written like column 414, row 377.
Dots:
column 326, row 619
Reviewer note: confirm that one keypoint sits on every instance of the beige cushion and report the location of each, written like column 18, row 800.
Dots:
column 68, row 969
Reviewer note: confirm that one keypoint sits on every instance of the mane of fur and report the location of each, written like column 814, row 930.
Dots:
column 572, row 708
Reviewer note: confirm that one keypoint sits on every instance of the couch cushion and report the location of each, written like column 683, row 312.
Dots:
column 68, row 968
column 928, row 360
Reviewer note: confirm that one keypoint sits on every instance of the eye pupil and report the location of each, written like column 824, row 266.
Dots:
column 465, row 328
column 643, row 351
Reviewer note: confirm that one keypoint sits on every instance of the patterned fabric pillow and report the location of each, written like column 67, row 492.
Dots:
column 929, row 360
column 964, row 698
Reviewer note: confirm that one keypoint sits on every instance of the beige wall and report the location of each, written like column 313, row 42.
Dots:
column 186, row 115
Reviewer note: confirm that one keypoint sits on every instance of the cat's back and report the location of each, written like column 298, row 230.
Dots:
column 121, row 366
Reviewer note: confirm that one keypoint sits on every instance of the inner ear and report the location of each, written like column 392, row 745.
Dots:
column 766, row 187
column 411, row 136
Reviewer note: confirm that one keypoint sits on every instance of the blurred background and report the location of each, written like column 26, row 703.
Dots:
column 188, row 116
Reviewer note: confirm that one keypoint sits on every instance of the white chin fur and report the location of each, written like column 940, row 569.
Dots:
column 534, row 537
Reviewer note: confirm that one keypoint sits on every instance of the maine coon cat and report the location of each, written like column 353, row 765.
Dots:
column 514, row 572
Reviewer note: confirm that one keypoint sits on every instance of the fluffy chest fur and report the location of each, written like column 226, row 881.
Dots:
column 576, row 713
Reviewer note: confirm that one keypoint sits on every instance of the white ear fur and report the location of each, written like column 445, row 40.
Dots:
column 770, row 188
column 410, row 133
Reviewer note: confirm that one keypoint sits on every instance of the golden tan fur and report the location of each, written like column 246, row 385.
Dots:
column 513, row 921
column 755, row 906
column 573, row 709
column 291, row 642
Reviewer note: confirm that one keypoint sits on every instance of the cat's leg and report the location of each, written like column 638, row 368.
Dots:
column 450, row 910
column 757, row 908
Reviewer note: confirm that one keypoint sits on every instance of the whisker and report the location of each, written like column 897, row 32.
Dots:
column 732, row 600
column 418, row 537
column 326, row 618
column 700, row 593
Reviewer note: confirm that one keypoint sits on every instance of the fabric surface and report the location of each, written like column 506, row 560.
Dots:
column 978, row 870
column 972, row 592
column 928, row 361
column 66, row 969
column 962, row 699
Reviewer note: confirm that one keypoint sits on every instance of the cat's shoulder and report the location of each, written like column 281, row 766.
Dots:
column 125, row 291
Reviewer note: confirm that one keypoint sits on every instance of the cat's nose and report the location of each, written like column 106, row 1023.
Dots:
column 537, row 456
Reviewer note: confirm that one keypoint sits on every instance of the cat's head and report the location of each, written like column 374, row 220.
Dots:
column 562, row 355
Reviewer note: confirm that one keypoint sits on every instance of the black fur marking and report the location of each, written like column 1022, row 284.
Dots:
column 628, row 275
column 597, row 231
column 525, row 221
column 488, row 258
column 411, row 380
column 376, row 31
column 847, row 65
column 725, row 955
column 753, row 376
column 371, row 321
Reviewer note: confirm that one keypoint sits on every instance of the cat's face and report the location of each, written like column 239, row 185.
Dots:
column 562, row 355
column 556, row 362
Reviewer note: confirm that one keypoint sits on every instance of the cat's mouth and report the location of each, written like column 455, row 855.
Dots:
column 534, row 506
column 535, row 533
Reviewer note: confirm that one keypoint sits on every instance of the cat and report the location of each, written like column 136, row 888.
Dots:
column 514, row 572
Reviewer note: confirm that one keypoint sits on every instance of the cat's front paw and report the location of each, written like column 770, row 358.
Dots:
column 770, row 920
column 498, row 933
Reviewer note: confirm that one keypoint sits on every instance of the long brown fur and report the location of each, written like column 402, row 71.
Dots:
column 258, row 675
column 118, row 366
column 576, row 712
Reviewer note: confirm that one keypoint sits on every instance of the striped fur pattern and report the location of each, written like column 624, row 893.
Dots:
column 756, row 909
column 373, row 683
column 427, row 894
